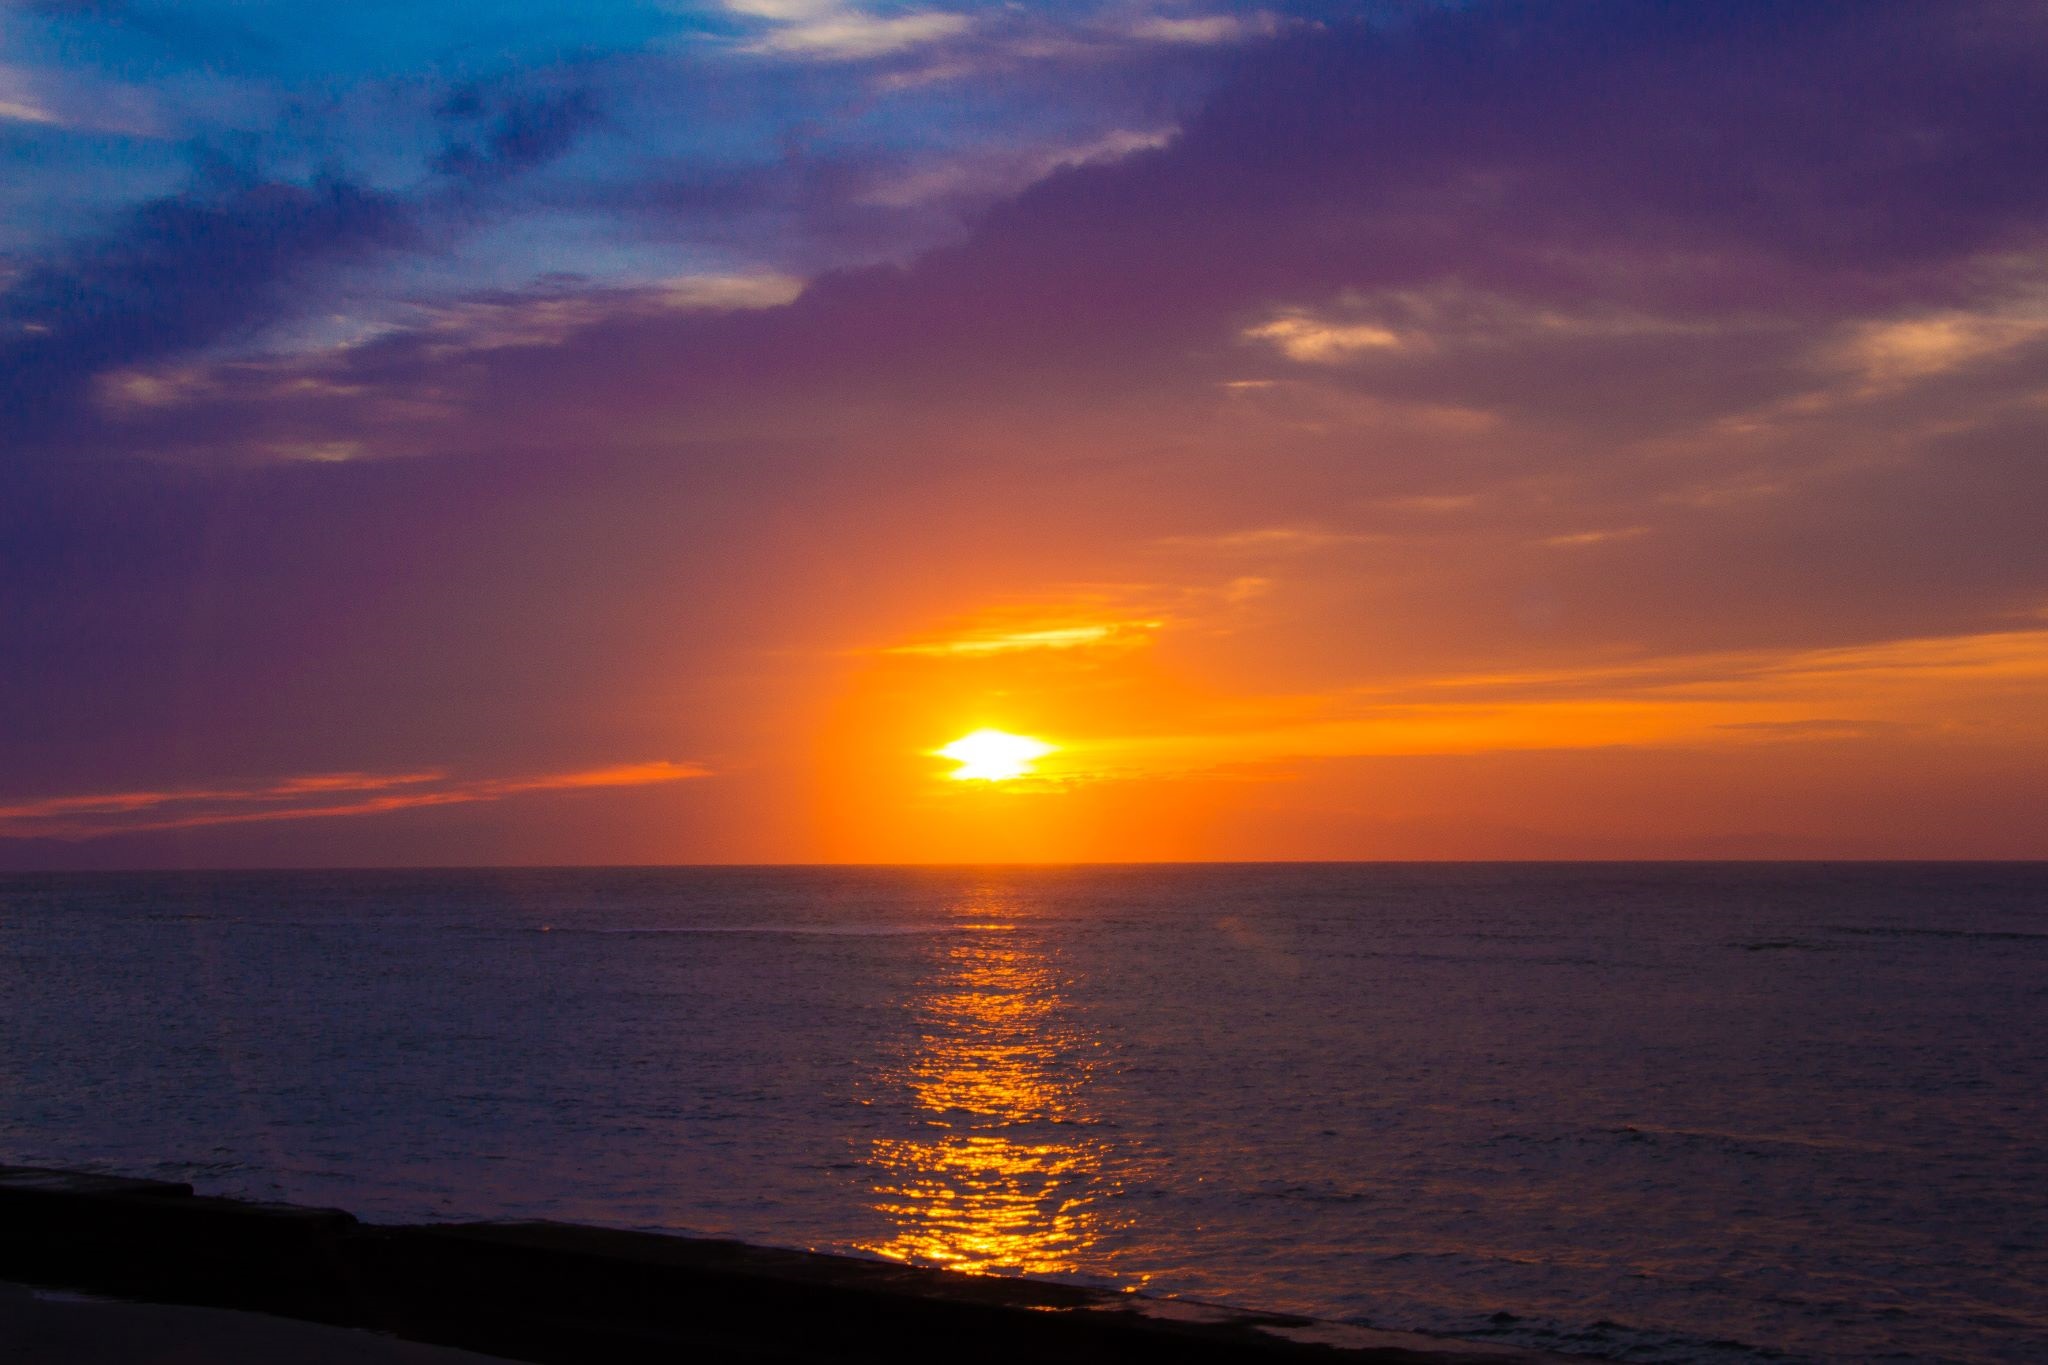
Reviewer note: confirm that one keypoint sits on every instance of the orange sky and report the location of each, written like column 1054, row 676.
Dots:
column 1445, row 437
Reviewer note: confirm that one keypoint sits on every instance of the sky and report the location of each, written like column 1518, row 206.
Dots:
column 649, row 432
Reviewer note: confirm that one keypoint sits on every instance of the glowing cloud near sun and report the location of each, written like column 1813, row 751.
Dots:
column 993, row 756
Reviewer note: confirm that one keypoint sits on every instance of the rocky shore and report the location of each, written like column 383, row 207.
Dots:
column 560, row 1294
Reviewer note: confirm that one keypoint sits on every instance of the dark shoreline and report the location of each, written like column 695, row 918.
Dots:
column 562, row 1294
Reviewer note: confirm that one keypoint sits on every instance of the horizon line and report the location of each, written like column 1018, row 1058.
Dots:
column 2040, row 861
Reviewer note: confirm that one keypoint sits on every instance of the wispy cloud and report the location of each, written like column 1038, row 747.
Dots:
column 1711, row 700
column 1891, row 354
column 1106, row 619
column 17, row 103
column 1001, row 640
column 1575, row 539
column 827, row 31
column 1205, row 29
column 462, row 327
column 312, row 796
column 1267, row 540
column 1314, row 341
column 985, row 175
column 546, row 319
column 68, row 100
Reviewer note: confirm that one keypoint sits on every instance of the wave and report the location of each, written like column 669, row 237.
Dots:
column 1981, row 935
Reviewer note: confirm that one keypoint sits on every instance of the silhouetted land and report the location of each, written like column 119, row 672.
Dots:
column 552, row 1292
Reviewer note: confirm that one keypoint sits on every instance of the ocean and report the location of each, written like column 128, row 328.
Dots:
column 1655, row 1112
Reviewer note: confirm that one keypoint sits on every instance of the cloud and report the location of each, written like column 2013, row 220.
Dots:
column 522, row 130
column 985, row 641
column 1205, row 29
column 1315, row 342
column 548, row 318
column 985, row 176
column 1267, row 540
column 125, row 803
column 830, row 31
column 180, row 272
column 235, row 254
column 463, row 327
column 1500, row 264
column 1890, row 354
column 1886, row 687
column 75, row 101
column 315, row 796
column 1573, row 540
column 18, row 103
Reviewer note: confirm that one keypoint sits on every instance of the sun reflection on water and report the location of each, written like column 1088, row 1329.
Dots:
column 1007, row 1174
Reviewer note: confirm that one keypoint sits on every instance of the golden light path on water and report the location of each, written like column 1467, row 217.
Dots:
column 1009, row 1177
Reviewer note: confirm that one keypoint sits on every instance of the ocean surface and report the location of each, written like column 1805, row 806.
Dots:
column 1709, row 1113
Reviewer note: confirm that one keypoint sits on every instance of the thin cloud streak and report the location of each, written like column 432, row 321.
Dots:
column 100, row 814
column 826, row 31
column 1887, row 687
column 1091, row 635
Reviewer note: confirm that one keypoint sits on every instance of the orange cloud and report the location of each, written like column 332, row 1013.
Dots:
column 1090, row 635
column 1313, row 341
column 310, row 796
column 1987, row 683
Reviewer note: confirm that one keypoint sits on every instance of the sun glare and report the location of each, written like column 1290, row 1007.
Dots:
column 993, row 756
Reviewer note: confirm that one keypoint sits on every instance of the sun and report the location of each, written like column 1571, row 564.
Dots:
column 993, row 756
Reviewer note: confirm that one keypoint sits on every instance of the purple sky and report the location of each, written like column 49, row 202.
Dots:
column 643, row 433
